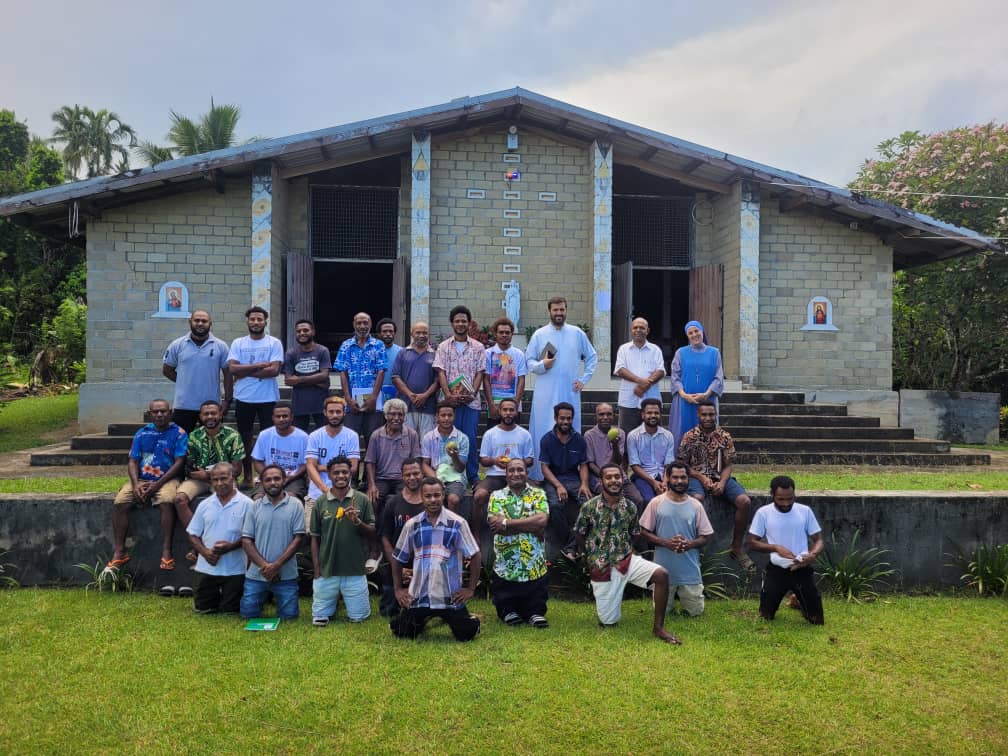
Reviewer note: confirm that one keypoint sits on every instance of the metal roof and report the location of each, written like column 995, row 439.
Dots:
column 915, row 238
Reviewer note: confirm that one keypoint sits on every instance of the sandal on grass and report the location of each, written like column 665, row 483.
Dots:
column 167, row 564
column 744, row 561
column 167, row 591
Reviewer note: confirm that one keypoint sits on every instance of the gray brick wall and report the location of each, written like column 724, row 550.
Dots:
column 202, row 239
column 718, row 243
column 467, row 235
column 802, row 256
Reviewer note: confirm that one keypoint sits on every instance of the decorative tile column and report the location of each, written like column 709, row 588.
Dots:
column 749, row 241
column 602, row 240
column 420, row 199
column 262, row 234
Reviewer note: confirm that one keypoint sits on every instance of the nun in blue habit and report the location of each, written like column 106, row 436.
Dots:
column 696, row 374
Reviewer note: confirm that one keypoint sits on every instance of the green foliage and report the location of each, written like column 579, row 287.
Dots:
column 108, row 579
column 45, row 167
column 14, row 142
column 69, row 329
column 6, row 579
column 152, row 154
column 985, row 569
column 98, row 140
column 854, row 574
column 950, row 328
column 1003, row 424
column 714, row 572
column 214, row 130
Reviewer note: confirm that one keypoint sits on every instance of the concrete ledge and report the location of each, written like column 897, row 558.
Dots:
column 881, row 404
column 47, row 535
column 961, row 417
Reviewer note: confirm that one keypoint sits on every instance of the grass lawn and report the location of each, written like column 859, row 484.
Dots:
column 84, row 672
column 25, row 423
column 979, row 478
column 101, row 484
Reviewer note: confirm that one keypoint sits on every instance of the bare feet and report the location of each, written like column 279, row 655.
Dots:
column 664, row 635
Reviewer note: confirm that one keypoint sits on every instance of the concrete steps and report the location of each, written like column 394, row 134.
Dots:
column 769, row 427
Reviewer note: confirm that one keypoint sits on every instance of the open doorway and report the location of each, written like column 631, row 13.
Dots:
column 661, row 296
column 342, row 289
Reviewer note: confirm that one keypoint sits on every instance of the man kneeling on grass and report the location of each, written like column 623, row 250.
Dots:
column 605, row 530
column 215, row 533
column 342, row 532
column 434, row 543
column 271, row 535
column 785, row 530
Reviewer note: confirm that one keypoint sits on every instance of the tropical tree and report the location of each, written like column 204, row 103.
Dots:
column 92, row 139
column 214, row 130
column 950, row 323
column 152, row 154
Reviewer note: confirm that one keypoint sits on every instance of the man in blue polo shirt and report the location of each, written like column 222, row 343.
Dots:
column 563, row 457
column 195, row 363
column 360, row 363
column 156, row 459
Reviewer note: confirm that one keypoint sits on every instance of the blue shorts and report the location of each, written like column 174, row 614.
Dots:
column 733, row 489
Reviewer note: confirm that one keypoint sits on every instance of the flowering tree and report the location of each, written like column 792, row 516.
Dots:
column 950, row 323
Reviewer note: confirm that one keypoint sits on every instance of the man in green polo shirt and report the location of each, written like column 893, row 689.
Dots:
column 342, row 531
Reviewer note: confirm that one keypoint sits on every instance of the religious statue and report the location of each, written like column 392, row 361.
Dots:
column 512, row 301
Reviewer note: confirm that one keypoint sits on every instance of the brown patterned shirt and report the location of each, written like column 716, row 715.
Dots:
column 701, row 450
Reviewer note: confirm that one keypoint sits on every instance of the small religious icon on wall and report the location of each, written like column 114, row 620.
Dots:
column 173, row 301
column 819, row 316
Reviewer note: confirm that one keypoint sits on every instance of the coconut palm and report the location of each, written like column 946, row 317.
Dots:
column 214, row 130
column 152, row 154
column 93, row 138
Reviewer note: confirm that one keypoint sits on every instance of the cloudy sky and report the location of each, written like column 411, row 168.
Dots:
column 807, row 86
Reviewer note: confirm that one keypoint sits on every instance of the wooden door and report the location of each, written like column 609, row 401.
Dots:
column 622, row 304
column 300, row 292
column 706, row 295
column 401, row 285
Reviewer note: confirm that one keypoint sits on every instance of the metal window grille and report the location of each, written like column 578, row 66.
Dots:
column 652, row 231
column 354, row 222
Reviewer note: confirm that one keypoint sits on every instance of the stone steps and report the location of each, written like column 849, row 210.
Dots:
column 905, row 459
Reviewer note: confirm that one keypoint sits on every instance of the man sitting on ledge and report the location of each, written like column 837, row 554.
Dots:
column 155, row 463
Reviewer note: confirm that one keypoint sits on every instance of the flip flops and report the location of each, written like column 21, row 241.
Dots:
column 512, row 618
column 115, row 564
column 538, row 621
column 167, row 564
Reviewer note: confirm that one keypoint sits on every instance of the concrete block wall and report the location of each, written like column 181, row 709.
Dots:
column 200, row 238
column 719, row 244
column 296, row 217
column 467, row 235
column 802, row 256
column 405, row 209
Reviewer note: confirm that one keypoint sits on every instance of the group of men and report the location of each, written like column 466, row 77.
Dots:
column 416, row 409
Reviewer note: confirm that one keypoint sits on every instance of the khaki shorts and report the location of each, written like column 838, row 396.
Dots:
column 193, row 488
column 164, row 495
column 609, row 594
column 690, row 596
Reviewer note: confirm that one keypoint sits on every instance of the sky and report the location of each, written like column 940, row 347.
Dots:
column 810, row 87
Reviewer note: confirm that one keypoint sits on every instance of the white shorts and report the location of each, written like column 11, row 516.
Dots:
column 609, row 595
column 690, row 596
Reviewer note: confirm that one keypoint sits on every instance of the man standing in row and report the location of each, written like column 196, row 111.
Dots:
column 517, row 516
column 414, row 378
column 505, row 370
column 605, row 531
column 360, row 363
column 195, row 363
column 460, row 363
column 215, row 534
column 555, row 353
column 641, row 365
column 433, row 544
column 306, row 371
column 387, row 333
column 254, row 361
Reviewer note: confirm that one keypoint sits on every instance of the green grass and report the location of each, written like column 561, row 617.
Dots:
column 979, row 478
column 1002, row 447
column 84, row 673
column 102, row 484
column 23, row 422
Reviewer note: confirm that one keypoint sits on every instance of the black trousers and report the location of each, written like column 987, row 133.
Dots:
column 411, row 622
column 777, row 581
column 526, row 598
column 218, row 593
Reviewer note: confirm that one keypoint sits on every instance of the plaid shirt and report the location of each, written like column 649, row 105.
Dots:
column 205, row 451
column 435, row 551
column 470, row 363
column 608, row 533
column 700, row 450
column 360, row 363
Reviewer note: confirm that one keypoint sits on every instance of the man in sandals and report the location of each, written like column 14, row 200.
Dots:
column 517, row 516
column 156, row 459
column 709, row 451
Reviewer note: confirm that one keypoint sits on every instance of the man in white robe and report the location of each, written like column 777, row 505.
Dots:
column 558, row 378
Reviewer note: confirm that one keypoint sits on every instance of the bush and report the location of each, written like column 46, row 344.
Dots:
column 1003, row 416
column 986, row 569
column 852, row 573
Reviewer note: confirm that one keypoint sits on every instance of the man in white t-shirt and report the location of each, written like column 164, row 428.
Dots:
column 499, row 445
column 283, row 445
column 254, row 361
column 328, row 442
column 790, row 534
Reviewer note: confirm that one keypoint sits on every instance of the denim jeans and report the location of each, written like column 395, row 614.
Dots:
column 326, row 592
column 467, row 421
column 254, row 596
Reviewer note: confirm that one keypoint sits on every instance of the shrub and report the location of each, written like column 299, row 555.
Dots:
column 985, row 569
column 853, row 573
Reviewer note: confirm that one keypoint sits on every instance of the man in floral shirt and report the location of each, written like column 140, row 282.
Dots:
column 710, row 453
column 605, row 530
column 360, row 363
column 517, row 516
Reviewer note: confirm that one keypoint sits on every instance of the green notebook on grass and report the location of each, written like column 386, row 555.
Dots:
column 263, row 624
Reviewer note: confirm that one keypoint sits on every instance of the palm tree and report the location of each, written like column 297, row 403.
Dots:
column 214, row 130
column 93, row 138
column 152, row 154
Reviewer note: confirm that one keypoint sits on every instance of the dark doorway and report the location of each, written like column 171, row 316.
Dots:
column 342, row 289
column 661, row 296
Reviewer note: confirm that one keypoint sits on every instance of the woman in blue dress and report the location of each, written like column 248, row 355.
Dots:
column 696, row 374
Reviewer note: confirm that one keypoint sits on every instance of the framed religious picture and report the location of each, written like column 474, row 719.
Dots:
column 819, row 315
column 173, row 301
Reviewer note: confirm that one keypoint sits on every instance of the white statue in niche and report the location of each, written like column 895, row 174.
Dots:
column 173, row 301
column 512, row 301
column 819, row 315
